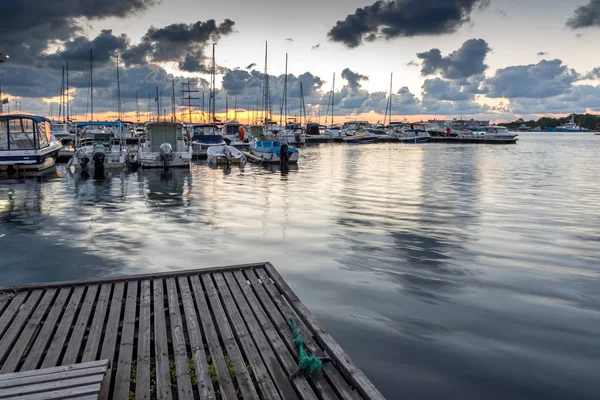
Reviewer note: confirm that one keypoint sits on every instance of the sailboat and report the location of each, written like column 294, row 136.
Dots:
column 98, row 149
column 332, row 129
column 292, row 132
column 405, row 134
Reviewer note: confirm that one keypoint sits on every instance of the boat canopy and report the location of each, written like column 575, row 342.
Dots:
column 158, row 133
column 272, row 146
column 117, row 124
column 204, row 129
column 24, row 132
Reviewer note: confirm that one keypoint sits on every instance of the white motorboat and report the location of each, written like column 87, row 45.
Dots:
column 164, row 146
column 101, row 152
column 235, row 134
column 62, row 132
column 494, row 132
column 223, row 154
column 27, row 143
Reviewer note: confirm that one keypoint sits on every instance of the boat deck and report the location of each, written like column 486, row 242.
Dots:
column 218, row 333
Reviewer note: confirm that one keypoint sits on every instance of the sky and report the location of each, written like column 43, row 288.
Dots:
column 487, row 59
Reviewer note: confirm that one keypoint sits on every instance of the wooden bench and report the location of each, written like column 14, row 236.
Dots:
column 77, row 381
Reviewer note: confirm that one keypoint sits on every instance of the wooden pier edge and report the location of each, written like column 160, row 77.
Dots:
column 361, row 383
column 227, row 324
column 136, row 277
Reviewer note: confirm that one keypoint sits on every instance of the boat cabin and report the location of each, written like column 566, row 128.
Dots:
column 313, row 129
column 24, row 132
column 158, row 133
column 231, row 128
column 205, row 132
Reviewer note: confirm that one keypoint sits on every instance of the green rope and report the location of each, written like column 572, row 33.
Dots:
column 308, row 364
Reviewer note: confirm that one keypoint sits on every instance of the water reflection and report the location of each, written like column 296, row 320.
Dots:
column 445, row 271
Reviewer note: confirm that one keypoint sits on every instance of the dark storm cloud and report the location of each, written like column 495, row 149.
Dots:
column 593, row 74
column 545, row 79
column 181, row 43
column 354, row 79
column 467, row 61
column 25, row 36
column 403, row 18
column 586, row 16
column 579, row 99
column 441, row 89
column 77, row 51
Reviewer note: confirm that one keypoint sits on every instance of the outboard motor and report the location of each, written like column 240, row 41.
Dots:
column 131, row 160
column 99, row 156
column 284, row 157
column 227, row 154
column 84, row 159
column 166, row 154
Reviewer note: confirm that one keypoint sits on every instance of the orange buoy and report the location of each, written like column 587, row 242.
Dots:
column 241, row 131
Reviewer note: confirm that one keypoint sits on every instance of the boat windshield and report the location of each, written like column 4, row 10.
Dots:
column 204, row 130
column 232, row 129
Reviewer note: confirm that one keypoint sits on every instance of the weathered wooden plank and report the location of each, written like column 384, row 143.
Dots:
column 50, row 386
column 68, row 393
column 60, row 336
column 265, row 382
column 11, row 311
column 10, row 364
column 233, row 352
column 123, row 375
column 124, row 278
column 205, row 387
column 109, row 343
column 272, row 361
column 277, row 311
column 58, row 376
column 361, row 383
column 161, row 346
column 54, row 370
column 280, row 349
column 143, row 368
column 180, row 355
column 17, row 324
column 95, row 334
column 43, row 338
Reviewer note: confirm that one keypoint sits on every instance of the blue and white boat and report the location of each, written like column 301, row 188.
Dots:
column 204, row 136
column 570, row 126
column 270, row 151
column 27, row 143
column 360, row 138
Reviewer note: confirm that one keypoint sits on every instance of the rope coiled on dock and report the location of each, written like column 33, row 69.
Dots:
column 308, row 365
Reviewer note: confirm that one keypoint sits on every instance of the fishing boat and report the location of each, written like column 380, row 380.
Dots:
column 27, row 143
column 224, row 154
column 164, row 146
column 570, row 126
column 99, row 153
column 203, row 137
column 274, row 151
column 360, row 138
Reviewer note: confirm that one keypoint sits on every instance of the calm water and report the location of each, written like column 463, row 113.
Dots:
column 445, row 271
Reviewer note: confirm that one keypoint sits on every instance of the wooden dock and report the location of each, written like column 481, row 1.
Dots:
column 218, row 333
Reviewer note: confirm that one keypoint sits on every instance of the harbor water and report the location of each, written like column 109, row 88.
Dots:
column 445, row 271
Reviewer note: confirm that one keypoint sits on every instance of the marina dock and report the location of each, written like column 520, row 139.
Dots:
column 218, row 333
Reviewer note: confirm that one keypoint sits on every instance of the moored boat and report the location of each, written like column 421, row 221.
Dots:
column 100, row 153
column 203, row 137
column 274, row 151
column 27, row 143
column 223, row 154
column 360, row 138
column 164, row 146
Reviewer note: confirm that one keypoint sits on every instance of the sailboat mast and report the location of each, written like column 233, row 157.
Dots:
column 391, row 95
column 226, row 108
column 266, row 88
column 118, row 91
column 332, row 98
column 67, row 94
column 91, row 84
column 235, row 106
column 62, row 93
column 213, row 89
column 137, row 108
column 388, row 106
column 157, row 99
column 285, row 89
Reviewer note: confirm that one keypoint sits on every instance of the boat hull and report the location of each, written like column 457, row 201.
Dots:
column 37, row 160
column 414, row 139
column 153, row 160
column 272, row 157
